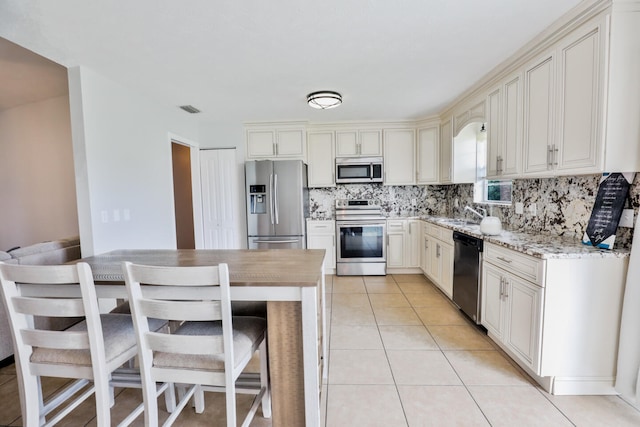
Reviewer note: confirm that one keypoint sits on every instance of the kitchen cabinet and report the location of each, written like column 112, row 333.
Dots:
column 563, row 105
column 476, row 113
column 512, row 307
column 321, row 234
column 399, row 156
column 539, row 106
column 356, row 143
column 396, row 231
column 403, row 243
column 321, row 163
column 446, row 146
column 428, row 152
column 440, row 253
column 504, row 128
column 558, row 318
column 275, row 143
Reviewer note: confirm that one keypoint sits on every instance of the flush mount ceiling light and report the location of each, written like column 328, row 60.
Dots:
column 324, row 100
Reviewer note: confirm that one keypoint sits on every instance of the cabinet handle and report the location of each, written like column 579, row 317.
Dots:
column 506, row 288
column 426, row 244
column 438, row 250
column 507, row 260
column 555, row 155
column 549, row 154
column 501, row 287
column 275, row 148
column 500, row 160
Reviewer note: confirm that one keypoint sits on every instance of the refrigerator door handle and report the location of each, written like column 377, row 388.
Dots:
column 277, row 241
column 271, row 205
column 275, row 195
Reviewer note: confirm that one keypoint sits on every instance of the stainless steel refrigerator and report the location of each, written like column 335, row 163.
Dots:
column 277, row 204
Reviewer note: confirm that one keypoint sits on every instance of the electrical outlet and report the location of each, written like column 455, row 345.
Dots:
column 414, row 202
column 533, row 209
column 519, row 208
column 626, row 220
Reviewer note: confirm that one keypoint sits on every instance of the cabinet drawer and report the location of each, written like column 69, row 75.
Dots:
column 396, row 226
column 321, row 227
column 441, row 233
column 525, row 266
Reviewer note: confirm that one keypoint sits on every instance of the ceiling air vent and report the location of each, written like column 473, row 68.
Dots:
column 190, row 109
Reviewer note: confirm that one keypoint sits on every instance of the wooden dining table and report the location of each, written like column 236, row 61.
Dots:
column 291, row 281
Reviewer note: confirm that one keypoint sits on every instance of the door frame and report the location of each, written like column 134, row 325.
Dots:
column 194, row 150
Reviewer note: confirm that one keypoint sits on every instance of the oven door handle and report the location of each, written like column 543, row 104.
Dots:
column 358, row 223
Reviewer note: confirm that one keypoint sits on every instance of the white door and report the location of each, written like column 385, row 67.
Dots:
column 221, row 199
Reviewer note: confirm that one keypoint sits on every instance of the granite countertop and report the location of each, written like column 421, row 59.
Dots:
column 537, row 245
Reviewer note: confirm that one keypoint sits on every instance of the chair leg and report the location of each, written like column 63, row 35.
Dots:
column 264, row 379
column 198, row 399
column 150, row 399
column 230, row 393
column 170, row 398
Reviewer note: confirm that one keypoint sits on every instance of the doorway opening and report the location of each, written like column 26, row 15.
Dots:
column 183, row 196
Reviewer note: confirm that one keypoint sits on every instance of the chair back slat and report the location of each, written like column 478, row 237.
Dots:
column 181, row 310
column 49, row 307
column 63, row 340
column 50, row 274
column 185, row 344
column 181, row 276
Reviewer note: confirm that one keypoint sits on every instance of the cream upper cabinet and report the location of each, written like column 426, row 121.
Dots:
column 446, row 146
column 321, row 155
column 504, row 128
column 539, row 102
column 270, row 143
column 399, row 156
column 354, row 143
column 580, row 75
column 563, row 105
column 427, row 159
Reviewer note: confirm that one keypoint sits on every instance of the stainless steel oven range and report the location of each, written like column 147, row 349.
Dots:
column 361, row 230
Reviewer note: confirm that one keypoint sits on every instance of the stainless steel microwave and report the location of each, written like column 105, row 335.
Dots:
column 350, row 170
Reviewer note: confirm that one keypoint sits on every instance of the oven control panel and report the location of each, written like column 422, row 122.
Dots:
column 356, row 203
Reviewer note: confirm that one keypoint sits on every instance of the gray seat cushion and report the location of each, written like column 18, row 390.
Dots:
column 246, row 331
column 119, row 337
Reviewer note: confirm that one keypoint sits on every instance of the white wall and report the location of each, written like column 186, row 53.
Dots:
column 37, row 187
column 122, row 150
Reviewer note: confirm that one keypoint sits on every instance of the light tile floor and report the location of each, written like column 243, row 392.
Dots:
column 399, row 355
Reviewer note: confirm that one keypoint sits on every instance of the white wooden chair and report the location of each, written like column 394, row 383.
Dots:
column 89, row 351
column 210, row 348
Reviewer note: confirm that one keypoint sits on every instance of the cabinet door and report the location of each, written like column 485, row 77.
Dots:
column 446, row 269
column 579, row 86
column 492, row 307
column 494, row 133
column 538, row 116
column 370, row 143
column 512, row 126
column 399, row 157
column 395, row 250
column 290, row 143
column 523, row 320
column 346, row 143
column 321, row 163
column 424, row 253
column 428, row 152
column 261, row 143
column 412, row 252
column 446, row 146
column 326, row 242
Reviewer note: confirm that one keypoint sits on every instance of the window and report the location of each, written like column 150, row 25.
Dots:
column 497, row 191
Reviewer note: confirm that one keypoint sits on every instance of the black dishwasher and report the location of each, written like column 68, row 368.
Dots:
column 467, row 268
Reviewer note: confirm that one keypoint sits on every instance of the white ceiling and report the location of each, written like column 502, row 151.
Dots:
column 255, row 60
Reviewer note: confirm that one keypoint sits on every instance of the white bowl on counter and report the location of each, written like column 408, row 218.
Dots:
column 491, row 225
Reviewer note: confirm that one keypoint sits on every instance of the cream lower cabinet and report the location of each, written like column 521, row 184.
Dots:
column 322, row 235
column 403, row 243
column 438, row 253
column 558, row 318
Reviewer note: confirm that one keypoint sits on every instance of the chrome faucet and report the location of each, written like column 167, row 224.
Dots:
column 469, row 208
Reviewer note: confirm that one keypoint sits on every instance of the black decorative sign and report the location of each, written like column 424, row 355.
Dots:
column 607, row 209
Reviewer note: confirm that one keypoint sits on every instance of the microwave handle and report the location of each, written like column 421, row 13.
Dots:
column 371, row 171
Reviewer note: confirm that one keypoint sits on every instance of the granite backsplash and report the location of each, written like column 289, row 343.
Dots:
column 563, row 204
